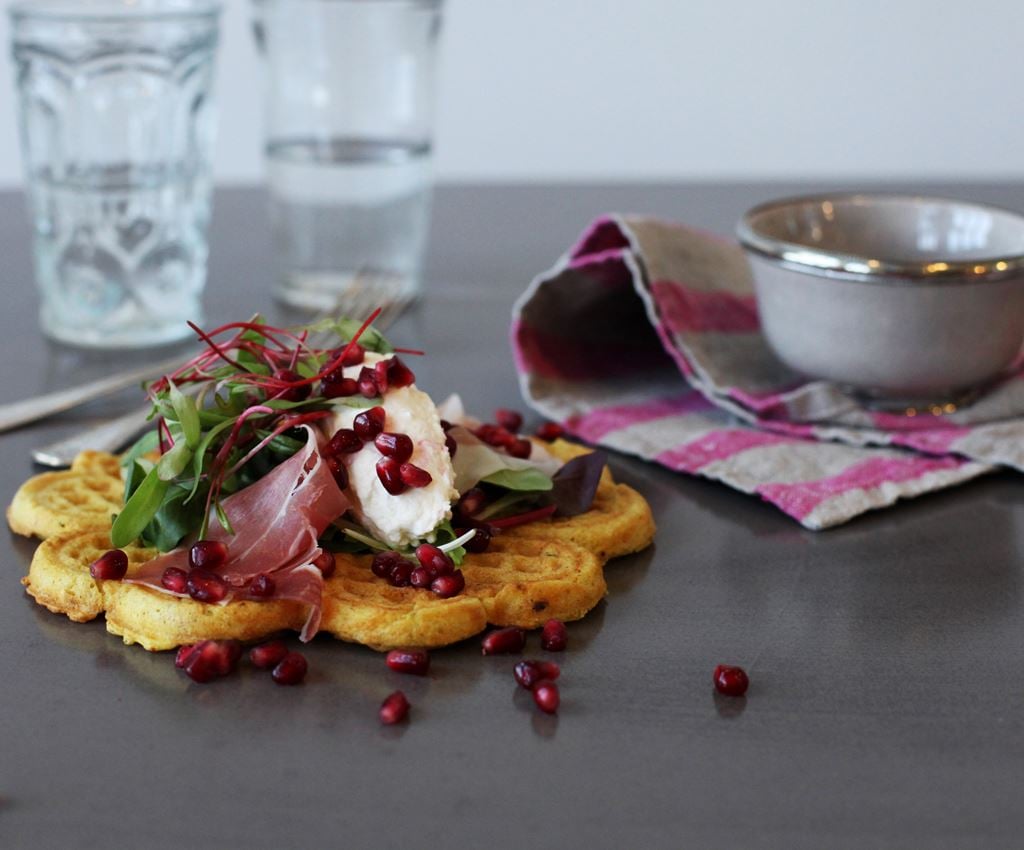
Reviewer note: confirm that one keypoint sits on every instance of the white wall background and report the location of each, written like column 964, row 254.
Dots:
column 689, row 89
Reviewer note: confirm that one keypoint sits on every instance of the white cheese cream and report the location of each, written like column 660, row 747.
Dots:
column 399, row 520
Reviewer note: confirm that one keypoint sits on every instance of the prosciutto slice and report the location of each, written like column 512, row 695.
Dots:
column 276, row 521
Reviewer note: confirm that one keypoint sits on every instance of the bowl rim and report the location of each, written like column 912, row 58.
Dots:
column 813, row 260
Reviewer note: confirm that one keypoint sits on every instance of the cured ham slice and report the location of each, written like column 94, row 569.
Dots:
column 276, row 523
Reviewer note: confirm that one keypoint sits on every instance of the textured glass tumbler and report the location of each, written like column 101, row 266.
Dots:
column 117, row 127
column 349, row 116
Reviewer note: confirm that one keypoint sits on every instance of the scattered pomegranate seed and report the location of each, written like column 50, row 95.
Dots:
column 290, row 670
column 554, row 637
column 384, row 562
column 511, row 420
column 208, row 659
column 731, row 681
column 174, row 579
column 380, row 375
column 471, row 502
column 389, row 471
column 414, row 476
column 451, row 445
column 299, row 393
column 415, row 661
column 262, row 586
column 344, row 442
column 529, row 673
column 399, row 375
column 421, row 578
column 397, row 446
column 369, row 423
column 449, row 585
column 326, row 563
column 394, row 709
column 401, row 573
column 339, row 389
column 434, row 559
column 110, row 566
column 550, row 431
column 504, row 641
column 207, row 555
column 520, row 448
column 368, row 383
column 479, row 542
column 338, row 470
column 268, row 655
column 353, row 353
column 546, row 696
column 204, row 586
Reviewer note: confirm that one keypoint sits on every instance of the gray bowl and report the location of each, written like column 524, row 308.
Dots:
column 910, row 299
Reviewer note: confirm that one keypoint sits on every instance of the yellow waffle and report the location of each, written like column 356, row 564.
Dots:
column 64, row 502
column 91, row 462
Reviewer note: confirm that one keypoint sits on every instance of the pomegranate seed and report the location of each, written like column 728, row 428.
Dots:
column 451, row 445
column 339, row 389
column 380, row 375
column 207, row 555
column 401, row 574
column 512, row 420
column 383, row 563
column 351, row 354
column 478, row 542
column 338, row 470
column 110, row 566
column 262, row 586
column 326, row 563
column 344, row 442
column 449, row 585
column 209, row 659
column 504, row 641
column 204, row 586
column 731, row 681
column 174, row 579
column 434, row 559
column 300, row 393
column 183, row 654
column 399, row 375
column 268, row 655
column 421, row 577
column 389, row 471
column 394, row 709
column 550, row 431
column 397, row 446
column 414, row 476
column 520, row 448
column 546, row 696
column 368, row 383
column 554, row 637
column 529, row 673
column 471, row 503
column 369, row 423
column 290, row 670
column 415, row 661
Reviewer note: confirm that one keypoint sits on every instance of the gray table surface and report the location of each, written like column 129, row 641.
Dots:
column 887, row 656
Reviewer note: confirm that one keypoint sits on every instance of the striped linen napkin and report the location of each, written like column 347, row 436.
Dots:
column 645, row 338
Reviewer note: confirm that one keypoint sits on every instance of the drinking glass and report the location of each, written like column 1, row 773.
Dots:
column 349, row 121
column 117, row 127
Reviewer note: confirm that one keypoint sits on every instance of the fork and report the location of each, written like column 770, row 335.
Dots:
column 114, row 434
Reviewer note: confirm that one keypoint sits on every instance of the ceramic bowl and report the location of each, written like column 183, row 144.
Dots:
column 898, row 297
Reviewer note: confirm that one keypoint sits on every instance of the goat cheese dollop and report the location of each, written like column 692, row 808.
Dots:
column 399, row 520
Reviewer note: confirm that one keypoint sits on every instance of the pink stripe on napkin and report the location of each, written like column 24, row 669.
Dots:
column 598, row 423
column 801, row 498
column 688, row 310
column 718, row 445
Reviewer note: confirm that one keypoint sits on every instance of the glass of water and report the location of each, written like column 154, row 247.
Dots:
column 350, row 95
column 117, row 128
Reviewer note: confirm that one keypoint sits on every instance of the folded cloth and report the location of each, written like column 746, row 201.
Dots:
column 645, row 338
